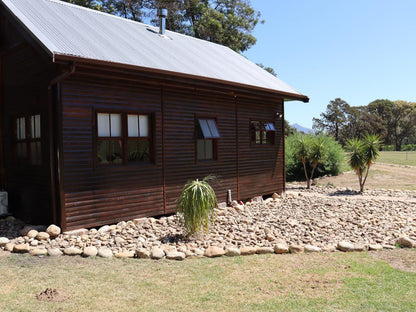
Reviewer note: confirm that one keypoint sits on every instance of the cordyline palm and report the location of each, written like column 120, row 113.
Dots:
column 302, row 153
column 362, row 154
column 312, row 151
column 197, row 203
column 316, row 156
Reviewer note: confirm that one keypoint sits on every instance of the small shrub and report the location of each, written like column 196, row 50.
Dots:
column 332, row 164
column 196, row 205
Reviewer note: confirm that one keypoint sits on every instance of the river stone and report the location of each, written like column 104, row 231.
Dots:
column 21, row 248
column 53, row 230
column 4, row 241
column 142, row 253
column 214, row 251
column 345, row 246
column 360, row 247
column 104, row 229
column 72, row 251
column 175, row 255
column 26, row 230
column 265, row 250
column 232, row 252
column 405, row 242
column 90, row 251
column 42, row 236
column 295, row 249
column 124, row 254
column 32, row 233
column 39, row 252
column 246, row 251
column 105, row 252
column 54, row 252
column 281, row 248
column 375, row 247
column 311, row 248
column 9, row 247
column 157, row 253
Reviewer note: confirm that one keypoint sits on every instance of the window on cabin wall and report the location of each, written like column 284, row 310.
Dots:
column 123, row 138
column 27, row 145
column 262, row 132
column 207, row 139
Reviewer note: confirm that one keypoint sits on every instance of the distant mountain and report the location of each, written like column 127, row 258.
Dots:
column 302, row 129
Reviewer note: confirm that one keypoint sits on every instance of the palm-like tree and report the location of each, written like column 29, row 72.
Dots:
column 362, row 155
column 310, row 150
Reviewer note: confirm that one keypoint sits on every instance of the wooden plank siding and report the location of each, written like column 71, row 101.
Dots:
column 25, row 78
column 95, row 195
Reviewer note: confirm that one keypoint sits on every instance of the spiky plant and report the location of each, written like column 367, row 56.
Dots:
column 196, row 205
column 362, row 154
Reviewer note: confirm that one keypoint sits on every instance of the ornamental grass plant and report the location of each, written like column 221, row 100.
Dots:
column 196, row 205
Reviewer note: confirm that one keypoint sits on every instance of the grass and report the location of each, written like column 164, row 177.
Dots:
column 398, row 158
column 305, row 282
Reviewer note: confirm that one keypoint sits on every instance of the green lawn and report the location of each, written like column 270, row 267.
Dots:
column 305, row 282
column 398, row 158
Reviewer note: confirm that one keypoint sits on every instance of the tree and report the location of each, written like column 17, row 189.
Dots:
column 312, row 150
column 362, row 154
column 227, row 22
column 289, row 130
column 403, row 122
column 333, row 119
column 268, row 69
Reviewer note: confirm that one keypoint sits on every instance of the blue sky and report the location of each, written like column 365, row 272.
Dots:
column 357, row 50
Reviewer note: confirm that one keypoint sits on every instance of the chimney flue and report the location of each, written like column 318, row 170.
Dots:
column 162, row 14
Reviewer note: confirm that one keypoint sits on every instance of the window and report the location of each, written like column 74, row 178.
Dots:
column 123, row 138
column 28, row 140
column 262, row 132
column 207, row 139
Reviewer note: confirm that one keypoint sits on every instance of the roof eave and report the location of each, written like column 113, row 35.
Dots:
column 286, row 95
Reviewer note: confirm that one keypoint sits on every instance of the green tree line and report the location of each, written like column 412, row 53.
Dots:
column 393, row 121
column 226, row 22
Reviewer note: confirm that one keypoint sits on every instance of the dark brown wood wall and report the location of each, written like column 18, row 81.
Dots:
column 25, row 77
column 260, row 166
column 99, row 195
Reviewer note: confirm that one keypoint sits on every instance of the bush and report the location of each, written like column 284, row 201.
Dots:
column 196, row 204
column 332, row 164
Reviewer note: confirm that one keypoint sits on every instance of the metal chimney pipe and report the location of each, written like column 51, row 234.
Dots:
column 162, row 14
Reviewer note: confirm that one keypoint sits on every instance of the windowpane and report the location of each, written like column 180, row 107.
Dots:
column 258, row 137
column 103, row 125
column 35, row 153
column 144, row 125
column 200, row 149
column 209, row 128
column 263, row 137
column 116, row 157
column 35, row 127
column 268, row 126
column 204, row 127
column 103, row 152
column 213, row 128
column 209, row 151
column 133, row 126
column 21, row 150
column 138, row 150
column 21, row 128
column 115, row 120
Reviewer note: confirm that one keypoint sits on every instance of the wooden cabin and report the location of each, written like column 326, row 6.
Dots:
column 105, row 119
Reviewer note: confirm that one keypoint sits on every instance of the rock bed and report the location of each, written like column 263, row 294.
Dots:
column 321, row 219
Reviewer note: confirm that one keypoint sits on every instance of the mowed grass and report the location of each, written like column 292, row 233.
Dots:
column 398, row 158
column 305, row 282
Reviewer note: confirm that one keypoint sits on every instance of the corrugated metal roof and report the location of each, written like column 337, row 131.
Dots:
column 70, row 30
